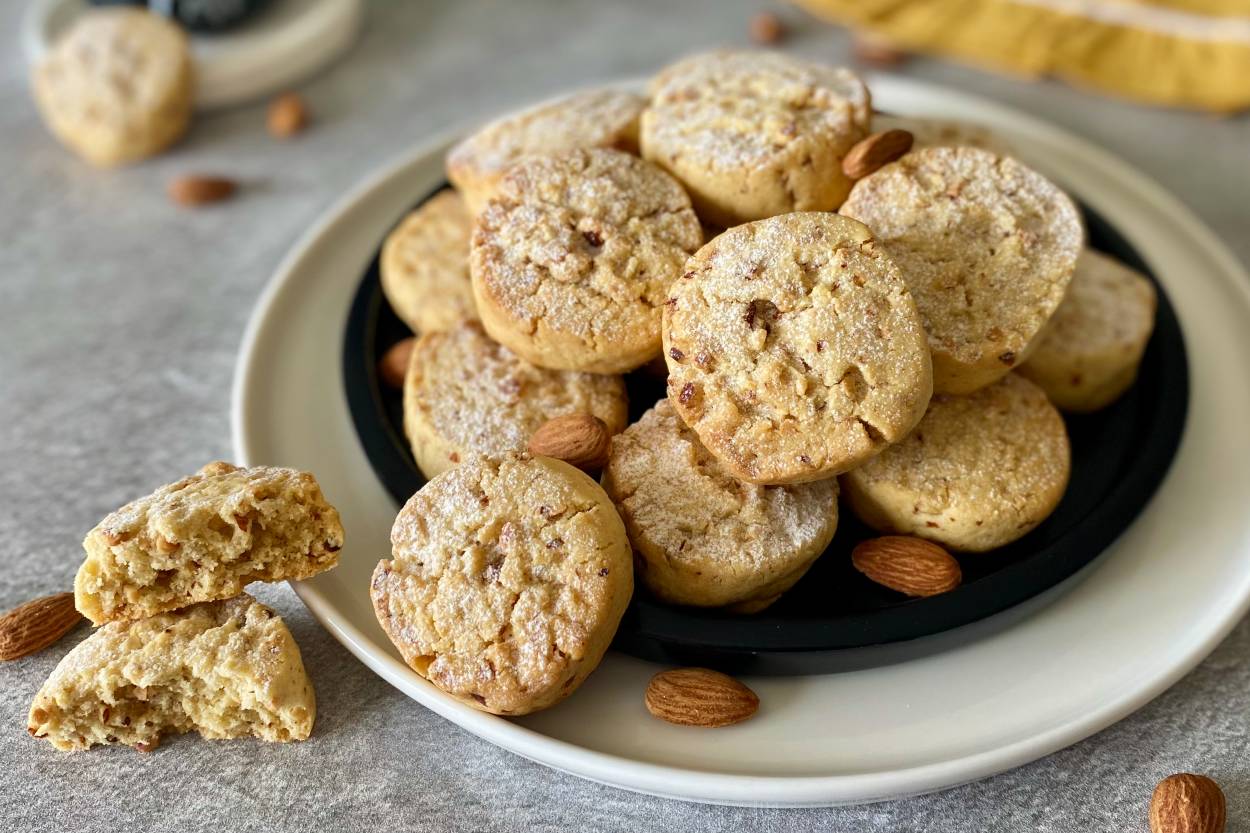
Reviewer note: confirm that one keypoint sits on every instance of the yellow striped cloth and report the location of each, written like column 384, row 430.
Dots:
column 1188, row 53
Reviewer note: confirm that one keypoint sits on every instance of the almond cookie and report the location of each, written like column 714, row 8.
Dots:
column 755, row 134
column 702, row 537
column 978, row 472
column 572, row 259
column 794, row 349
column 593, row 119
column 465, row 394
column 1089, row 352
column 117, row 87
column 987, row 247
column 425, row 266
column 205, row 538
column 225, row 669
column 508, row 578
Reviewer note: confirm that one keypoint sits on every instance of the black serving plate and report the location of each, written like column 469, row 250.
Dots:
column 834, row 618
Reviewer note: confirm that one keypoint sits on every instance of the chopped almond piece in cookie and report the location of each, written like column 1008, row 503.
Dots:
column 204, row 538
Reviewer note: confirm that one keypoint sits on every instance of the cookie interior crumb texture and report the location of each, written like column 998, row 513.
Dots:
column 702, row 537
column 117, row 87
column 466, row 395
column 425, row 266
column 508, row 579
column 977, row 473
column 572, row 259
column 225, row 669
column 794, row 349
column 604, row 118
column 204, row 538
column 987, row 247
column 753, row 134
column 1089, row 352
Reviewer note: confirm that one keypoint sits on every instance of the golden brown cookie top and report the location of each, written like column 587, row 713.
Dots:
column 595, row 118
column 742, row 109
column 682, row 506
column 794, row 349
column 987, row 246
column 425, row 265
column 572, row 258
column 478, row 397
column 1109, row 307
column 999, row 454
column 505, row 571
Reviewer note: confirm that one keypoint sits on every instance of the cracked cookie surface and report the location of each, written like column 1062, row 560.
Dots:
column 978, row 472
column 204, row 538
column 987, row 247
column 117, row 87
column 425, row 266
column 755, row 134
column 593, row 119
column 465, row 394
column 794, row 349
column 1089, row 352
column 572, row 259
column 225, row 669
column 700, row 536
column 508, row 578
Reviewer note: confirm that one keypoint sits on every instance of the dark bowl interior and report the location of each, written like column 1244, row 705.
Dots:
column 834, row 618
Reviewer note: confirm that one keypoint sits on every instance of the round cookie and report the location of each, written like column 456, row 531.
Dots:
column 987, row 246
column 700, row 536
column 117, row 87
column 596, row 118
column 466, row 395
column 1089, row 352
column 572, row 259
column 978, row 472
column 755, row 134
column 794, row 349
column 508, row 578
column 425, row 265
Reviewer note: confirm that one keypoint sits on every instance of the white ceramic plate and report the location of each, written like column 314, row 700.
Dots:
column 1143, row 615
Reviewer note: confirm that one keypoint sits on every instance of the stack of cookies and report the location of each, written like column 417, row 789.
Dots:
column 829, row 318
column 180, row 646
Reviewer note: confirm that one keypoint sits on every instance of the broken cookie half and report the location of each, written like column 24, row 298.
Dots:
column 205, row 538
column 225, row 669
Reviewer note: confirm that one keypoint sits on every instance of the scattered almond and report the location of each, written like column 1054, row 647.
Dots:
column 394, row 363
column 871, row 153
column 700, row 697
column 767, row 28
column 192, row 189
column 1187, row 803
column 909, row 565
column 581, row 440
column 37, row 624
column 873, row 50
column 287, row 116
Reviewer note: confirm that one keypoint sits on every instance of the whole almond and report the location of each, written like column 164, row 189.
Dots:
column 877, row 150
column 393, row 366
column 873, row 50
column 287, row 116
column 699, row 697
column 194, row 189
column 35, row 625
column 767, row 28
column 581, row 440
column 1187, row 803
column 909, row 565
